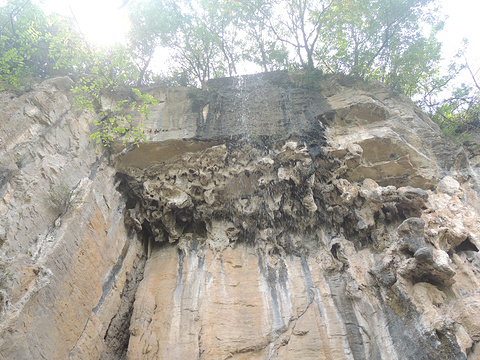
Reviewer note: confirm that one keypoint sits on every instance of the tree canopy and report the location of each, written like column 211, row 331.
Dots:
column 371, row 39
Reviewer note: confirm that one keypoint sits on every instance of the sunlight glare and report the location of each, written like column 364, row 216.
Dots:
column 102, row 22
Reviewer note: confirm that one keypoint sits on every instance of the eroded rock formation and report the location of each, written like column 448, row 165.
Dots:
column 263, row 220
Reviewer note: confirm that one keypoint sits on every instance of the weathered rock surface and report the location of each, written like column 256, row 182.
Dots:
column 65, row 250
column 263, row 220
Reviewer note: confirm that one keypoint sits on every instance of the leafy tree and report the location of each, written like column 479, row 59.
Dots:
column 381, row 40
column 459, row 114
column 34, row 46
column 262, row 46
column 153, row 25
column 22, row 43
column 371, row 39
column 294, row 24
column 197, row 36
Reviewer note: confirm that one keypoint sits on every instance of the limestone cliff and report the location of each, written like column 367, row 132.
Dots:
column 263, row 220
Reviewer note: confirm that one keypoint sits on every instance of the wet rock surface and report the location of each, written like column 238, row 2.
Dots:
column 263, row 220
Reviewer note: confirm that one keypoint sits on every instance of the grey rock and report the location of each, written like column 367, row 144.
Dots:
column 424, row 254
column 411, row 234
column 385, row 274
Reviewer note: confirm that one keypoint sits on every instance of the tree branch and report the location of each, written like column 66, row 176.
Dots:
column 471, row 73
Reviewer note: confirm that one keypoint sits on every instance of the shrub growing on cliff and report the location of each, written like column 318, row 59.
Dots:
column 117, row 122
column 459, row 116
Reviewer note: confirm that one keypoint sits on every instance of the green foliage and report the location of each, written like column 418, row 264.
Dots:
column 117, row 122
column 113, row 74
column 459, row 115
column 19, row 37
column 34, row 46
column 202, row 38
column 381, row 40
column 393, row 41
column 6, row 276
column 458, row 112
column 20, row 159
column 370, row 39
column 291, row 25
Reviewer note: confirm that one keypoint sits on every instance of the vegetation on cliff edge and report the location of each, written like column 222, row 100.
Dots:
column 392, row 41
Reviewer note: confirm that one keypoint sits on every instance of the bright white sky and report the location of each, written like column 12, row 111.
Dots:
column 105, row 22
column 462, row 23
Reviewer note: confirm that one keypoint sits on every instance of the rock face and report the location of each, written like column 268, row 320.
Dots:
column 65, row 250
column 263, row 220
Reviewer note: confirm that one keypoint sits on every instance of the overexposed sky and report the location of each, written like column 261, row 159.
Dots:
column 462, row 22
column 103, row 22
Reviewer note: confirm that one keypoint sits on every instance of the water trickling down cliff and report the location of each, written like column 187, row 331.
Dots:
column 263, row 220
